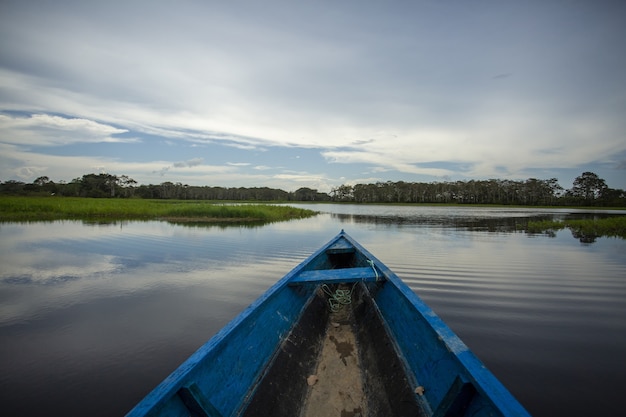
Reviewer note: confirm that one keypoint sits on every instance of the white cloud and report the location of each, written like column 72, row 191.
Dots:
column 517, row 142
column 26, row 165
column 47, row 130
column 432, row 90
column 296, row 180
column 189, row 163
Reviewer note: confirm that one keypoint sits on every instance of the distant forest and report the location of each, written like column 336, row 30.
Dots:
column 587, row 190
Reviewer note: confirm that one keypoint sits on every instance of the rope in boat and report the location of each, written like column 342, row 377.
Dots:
column 371, row 263
column 341, row 297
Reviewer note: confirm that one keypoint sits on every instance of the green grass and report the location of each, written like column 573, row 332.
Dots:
column 103, row 209
column 608, row 227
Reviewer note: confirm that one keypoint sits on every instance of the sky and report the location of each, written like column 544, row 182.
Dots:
column 291, row 94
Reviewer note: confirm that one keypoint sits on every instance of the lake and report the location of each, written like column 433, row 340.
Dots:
column 93, row 316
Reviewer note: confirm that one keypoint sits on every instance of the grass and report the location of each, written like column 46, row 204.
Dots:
column 607, row 227
column 103, row 209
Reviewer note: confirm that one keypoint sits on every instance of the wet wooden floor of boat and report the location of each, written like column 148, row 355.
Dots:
column 355, row 363
column 338, row 383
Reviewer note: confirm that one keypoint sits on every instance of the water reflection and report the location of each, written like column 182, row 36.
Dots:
column 474, row 219
column 83, row 307
column 489, row 224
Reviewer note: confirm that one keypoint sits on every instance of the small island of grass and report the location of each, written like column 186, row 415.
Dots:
column 111, row 209
column 604, row 227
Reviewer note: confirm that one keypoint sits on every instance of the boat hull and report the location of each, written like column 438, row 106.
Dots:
column 272, row 359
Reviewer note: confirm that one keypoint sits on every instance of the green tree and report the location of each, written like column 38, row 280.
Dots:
column 12, row 187
column 102, row 185
column 588, row 187
column 44, row 184
column 342, row 193
column 305, row 194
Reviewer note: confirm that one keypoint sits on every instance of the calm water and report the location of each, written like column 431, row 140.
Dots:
column 92, row 317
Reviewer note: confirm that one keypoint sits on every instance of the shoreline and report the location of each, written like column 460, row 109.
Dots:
column 100, row 209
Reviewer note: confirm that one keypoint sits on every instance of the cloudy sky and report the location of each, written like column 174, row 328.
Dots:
column 292, row 94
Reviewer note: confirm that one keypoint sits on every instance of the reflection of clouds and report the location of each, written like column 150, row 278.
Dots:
column 46, row 266
column 15, row 233
column 78, row 279
column 75, row 230
column 65, row 263
column 43, row 279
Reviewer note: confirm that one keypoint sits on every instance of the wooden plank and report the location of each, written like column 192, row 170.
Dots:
column 283, row 389
column 197, row 404
column 457, row 399
column 340, row 246
column 329, row 276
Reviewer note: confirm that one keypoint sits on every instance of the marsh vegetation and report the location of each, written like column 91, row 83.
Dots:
column 105, row 209
column 590, row 228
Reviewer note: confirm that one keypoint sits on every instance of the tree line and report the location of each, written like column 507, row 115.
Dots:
column 113, row 186
column 588, row 189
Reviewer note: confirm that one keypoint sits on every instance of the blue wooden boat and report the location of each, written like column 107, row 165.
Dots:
column 339, row 335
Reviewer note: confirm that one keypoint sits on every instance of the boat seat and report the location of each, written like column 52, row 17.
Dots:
column 339, row 247
column 196, row 402
column 457, row 399
column 336, row 276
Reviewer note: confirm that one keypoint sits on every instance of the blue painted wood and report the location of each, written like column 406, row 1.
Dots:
column 457, row 399
column 329, row 276
column 195, row 401
column 220, row 376
column 340, row 246
column 433, row 354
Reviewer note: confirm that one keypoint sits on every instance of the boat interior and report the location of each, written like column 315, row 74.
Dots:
column 338, row 360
